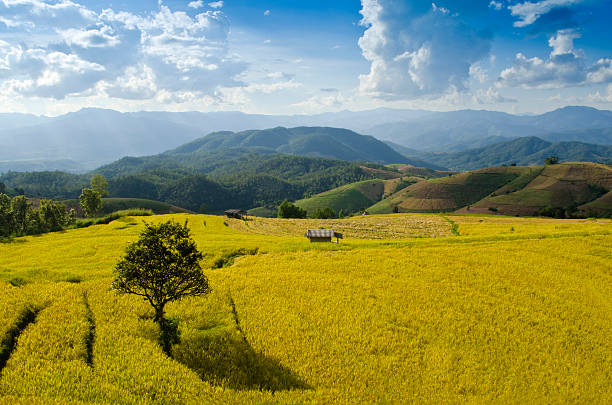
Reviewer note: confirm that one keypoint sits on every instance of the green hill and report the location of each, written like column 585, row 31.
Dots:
column 349, row 198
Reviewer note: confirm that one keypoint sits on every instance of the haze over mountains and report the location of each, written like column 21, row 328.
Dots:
column 91, row 137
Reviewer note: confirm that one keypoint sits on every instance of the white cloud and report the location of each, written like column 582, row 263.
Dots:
column 216, row 4
column 528, row 12
column 267, row 13
column 597, row 97
column 478, row 73
column 601, row 71
column 91, row 38
column 196, row 4
column 74, row 50
column 497, row 5
column 564, row 67
column 321, row 103
column 409, row 51
column 491, row 96
column 442, row 10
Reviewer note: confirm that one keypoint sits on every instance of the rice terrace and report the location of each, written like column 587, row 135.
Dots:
column 506, row 310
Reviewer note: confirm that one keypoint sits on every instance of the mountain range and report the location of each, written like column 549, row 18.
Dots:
column 526, row 151
column 89, row 138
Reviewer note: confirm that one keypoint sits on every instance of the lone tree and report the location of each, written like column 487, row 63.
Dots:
column 162, row 266
column 99, row 184
column 90, row 201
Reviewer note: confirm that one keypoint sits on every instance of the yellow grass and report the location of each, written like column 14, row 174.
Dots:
column 511, row 311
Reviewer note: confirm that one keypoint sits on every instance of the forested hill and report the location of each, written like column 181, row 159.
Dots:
column 211, row 153
column 524, row 151
column 228, row 180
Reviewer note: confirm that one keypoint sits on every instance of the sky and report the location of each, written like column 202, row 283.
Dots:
column 304, row 57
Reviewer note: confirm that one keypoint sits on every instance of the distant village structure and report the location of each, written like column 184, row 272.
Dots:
column 323, row 235
column 238, row 214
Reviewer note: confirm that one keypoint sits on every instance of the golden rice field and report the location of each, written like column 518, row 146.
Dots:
column 503, row 310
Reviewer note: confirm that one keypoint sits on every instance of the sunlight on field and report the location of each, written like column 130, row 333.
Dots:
column 361, row 227
column 511, row 310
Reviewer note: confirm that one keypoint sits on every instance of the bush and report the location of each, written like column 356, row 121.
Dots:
column 290, row 210
column 325, row 213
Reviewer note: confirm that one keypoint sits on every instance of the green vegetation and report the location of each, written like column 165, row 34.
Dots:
column 90, row 202
column 290, row 210
column 18, row 217
column 163, row 266
column 113, row 216
column 325, row 213
column 99, row 184
column 350, row 198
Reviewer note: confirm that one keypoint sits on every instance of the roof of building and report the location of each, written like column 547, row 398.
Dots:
column 323, row 233
column 235, row 211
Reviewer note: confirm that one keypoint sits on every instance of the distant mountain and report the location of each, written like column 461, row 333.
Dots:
column 334, row 143
column 92, row 137
column 461, row 130
column 222, row 153
column 522, row 151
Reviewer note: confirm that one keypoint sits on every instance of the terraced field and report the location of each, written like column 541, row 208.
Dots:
column 418, row 308
column 508, row 190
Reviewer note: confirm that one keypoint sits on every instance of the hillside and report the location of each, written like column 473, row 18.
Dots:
column 524, row 151
column 356, row 197
column 349, row 198
column 333, row 143
column 509, row 190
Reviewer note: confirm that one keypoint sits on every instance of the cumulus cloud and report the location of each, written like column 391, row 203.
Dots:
column 410, row 47
column 598, row 97
column 528, row 12
column 216, row 4
column 491, row 96
column 120, row 54
column 564, row 67
column 196, row 4
column 267, row 13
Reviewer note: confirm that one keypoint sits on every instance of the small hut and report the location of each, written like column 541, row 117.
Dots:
column 238, row 214
column 323, row 235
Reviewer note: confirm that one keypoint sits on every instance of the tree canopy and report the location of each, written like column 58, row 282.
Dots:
column 162, row 266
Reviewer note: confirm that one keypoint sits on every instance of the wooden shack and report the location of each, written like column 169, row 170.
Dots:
column 323, row 235
column 238, row 214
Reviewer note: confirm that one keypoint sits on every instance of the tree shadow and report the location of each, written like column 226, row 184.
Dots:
column 222, row 356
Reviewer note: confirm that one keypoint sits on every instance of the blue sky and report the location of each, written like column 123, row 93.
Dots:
column 292, row 57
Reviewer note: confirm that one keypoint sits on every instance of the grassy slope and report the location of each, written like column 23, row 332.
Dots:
column 350, row 198
column 488, row 317
column 560, row 185
column 509, row 190
column 450, row 192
